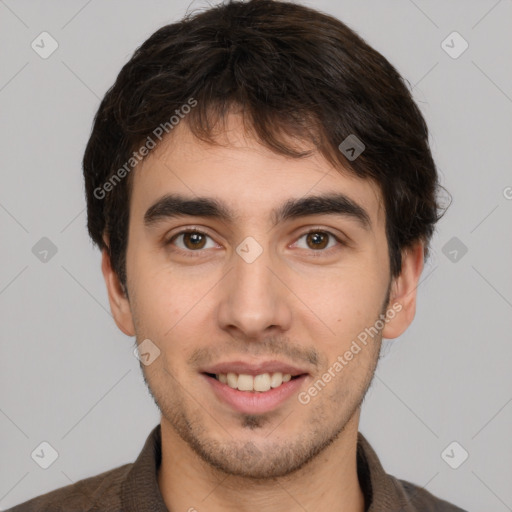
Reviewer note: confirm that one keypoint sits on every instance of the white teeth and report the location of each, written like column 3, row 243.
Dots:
column 276, row 380
column 245, row 382
column 232, row 380
column 261, row 383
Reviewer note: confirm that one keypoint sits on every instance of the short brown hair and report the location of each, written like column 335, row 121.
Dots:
column 292, row 71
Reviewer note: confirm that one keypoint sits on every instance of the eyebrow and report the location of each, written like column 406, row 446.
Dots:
column 176, row 205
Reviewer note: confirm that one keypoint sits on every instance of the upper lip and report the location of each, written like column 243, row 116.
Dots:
column 253, row 368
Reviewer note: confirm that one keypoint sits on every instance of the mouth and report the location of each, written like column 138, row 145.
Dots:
column 254, row 394
column 260, row 383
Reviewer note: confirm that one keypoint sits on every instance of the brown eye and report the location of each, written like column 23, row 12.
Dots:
column 317, row 240
column 320, row 241
column 190, row 241
column 194, row 240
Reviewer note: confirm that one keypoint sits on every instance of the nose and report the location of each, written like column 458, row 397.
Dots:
column 254, row 301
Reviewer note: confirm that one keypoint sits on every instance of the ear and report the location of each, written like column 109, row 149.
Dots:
column 119, row 303
column 403, row 292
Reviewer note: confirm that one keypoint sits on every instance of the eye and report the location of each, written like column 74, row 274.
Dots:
column 192, row 240
column 318, row 240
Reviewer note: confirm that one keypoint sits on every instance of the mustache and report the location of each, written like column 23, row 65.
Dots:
column 277, row 347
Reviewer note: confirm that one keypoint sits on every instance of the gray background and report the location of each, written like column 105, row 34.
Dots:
column 69, row 377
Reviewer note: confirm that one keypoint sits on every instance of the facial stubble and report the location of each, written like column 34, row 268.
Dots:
column 271, row 455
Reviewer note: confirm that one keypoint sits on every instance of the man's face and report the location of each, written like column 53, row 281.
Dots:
column 249, row 291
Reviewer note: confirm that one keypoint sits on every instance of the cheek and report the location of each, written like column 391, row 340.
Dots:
column 172, row 312
column 348, row 301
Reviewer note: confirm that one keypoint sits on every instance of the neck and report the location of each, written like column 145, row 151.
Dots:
column 328, row 482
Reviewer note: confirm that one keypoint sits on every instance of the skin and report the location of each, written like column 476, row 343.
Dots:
column 292, row 302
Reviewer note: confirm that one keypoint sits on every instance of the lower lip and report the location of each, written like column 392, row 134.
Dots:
column 255, row 402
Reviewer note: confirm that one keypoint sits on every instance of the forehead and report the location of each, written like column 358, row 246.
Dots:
column 244, row 178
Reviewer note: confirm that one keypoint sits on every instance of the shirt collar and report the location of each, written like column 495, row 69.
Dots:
column 381, row 490
column 140, row 491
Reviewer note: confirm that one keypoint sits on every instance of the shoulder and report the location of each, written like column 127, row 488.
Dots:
column 99, row 492
column 422, row 500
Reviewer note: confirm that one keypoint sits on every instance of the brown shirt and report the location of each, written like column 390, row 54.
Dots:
column 134, row 487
